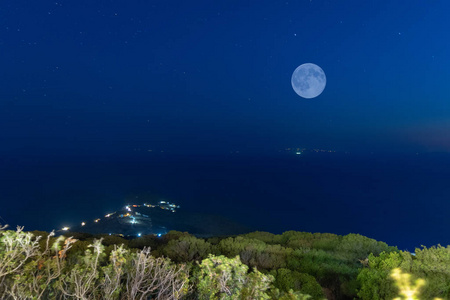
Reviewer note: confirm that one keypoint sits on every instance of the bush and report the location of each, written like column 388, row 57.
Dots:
column 375, row 280
column 187, row 249
column 431, row 264
column 46, row 267
column 224, row 278
column 355, row 247
column 230, row 247
column 143, row 242
column 266, row 237
column 27, row 272
column 287, row 280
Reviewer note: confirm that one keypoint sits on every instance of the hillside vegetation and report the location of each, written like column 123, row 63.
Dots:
column 257, row 265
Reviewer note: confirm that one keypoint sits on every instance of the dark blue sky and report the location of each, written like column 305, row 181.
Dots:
column 93, row 77
column 89, row 87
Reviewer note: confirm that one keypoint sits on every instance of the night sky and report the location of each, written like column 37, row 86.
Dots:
column 96, row 76
column 115, row 78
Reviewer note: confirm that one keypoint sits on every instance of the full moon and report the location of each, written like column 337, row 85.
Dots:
column 308, row 80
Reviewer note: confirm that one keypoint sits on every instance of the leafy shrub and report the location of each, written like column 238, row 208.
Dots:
column 266, row 237
column 258, row 265
column 287, row 280
column 431, row 264
column 187, row 249
column 230, row 247
column 355, row 247
column 227, row 278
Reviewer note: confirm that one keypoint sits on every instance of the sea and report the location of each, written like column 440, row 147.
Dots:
column 400, row 199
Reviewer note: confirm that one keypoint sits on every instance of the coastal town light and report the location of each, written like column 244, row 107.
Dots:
column 162, row 204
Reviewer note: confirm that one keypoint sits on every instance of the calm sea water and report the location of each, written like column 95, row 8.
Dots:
column 403, row 200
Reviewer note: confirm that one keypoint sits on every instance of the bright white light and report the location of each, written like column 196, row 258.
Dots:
column 139, row 234
column 83, row 223
column 159, row 234
column 65, row 228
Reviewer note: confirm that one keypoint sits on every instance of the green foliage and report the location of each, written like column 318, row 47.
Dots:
column 406, row 288
column 82, row 236
column 328, row 268
column 266, row 237
column 154, row 278
column 214, row 240
column 227, row 278
column 375, row 280
column 231, row 247
column 290, row 295
column 109, row 240
column 16, row 247
column 174, row 235
column 187, row 249
column 30, row 264
column 35, row 278
column 254, row 252
column 325, row 266
column 80, row 280
column 287, row 280
column 258, row 265
column 377, row 283
column 27, row 272
column 302, row 240
column 433, row 265
column 112, row 273
column 272, row 257
column 144, row 241
column 77, row 250
column 357, row 247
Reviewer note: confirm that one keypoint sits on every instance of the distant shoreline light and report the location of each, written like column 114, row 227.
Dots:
column 165, row 205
